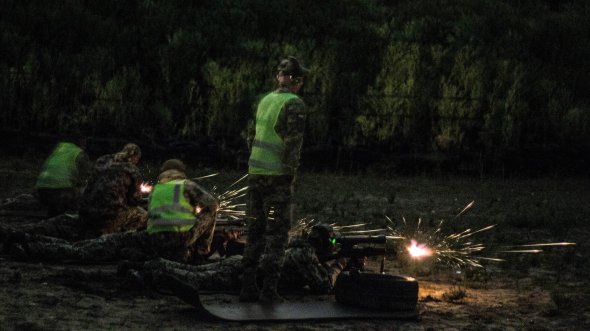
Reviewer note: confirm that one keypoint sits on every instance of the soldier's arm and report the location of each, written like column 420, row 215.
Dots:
column 314, row 274
column 134, row 194
column 290, row 127
column 197, row 196
column 251, row 133
column 103, row 163
column 251, row 127
column 333, row 269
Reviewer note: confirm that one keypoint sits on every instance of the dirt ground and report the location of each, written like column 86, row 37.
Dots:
column 544, row 292
column 74, row 297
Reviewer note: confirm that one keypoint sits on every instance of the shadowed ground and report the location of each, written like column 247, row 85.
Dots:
column 547, row 291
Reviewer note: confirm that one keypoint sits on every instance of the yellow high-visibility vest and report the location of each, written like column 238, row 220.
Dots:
column 59, row 170
column 169, row 210
column 268, row 146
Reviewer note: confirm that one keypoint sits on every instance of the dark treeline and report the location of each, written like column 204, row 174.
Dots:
column 480, row 86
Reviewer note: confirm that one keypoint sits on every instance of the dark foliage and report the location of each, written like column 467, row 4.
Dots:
column 472, row 85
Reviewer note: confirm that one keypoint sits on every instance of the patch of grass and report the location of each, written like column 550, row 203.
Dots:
column 455, row 295
column 476, row 277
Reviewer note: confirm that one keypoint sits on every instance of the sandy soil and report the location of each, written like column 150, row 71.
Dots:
column 548, row 292
column 39, row 296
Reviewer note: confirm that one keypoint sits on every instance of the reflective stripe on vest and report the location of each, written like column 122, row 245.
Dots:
column 59, row 170
column 169, row 210
column 268, row 146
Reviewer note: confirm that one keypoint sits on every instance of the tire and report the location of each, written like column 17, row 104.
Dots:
column 376, row 291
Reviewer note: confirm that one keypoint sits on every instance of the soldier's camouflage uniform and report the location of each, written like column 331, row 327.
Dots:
column 137, row 245
column 188, row 246
column 57, row 201
column 269, row 197
column 302, row 271
column 64, row 226
column 106, row 205
column 106, row 248
column 111, row 200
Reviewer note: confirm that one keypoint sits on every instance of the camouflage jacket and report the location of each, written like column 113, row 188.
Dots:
column 302, row 269
column 112, row 186
column 290, row 127
column 103, row 163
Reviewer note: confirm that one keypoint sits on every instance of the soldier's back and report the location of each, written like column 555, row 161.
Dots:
column 108, row 188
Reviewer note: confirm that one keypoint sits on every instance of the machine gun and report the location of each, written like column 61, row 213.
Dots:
column 357, row 255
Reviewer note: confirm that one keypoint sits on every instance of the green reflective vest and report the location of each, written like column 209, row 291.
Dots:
column 59, row 170
column 268, row 147
column 169, row 210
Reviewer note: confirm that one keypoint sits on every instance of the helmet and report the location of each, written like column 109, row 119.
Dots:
column 322, row 233
column 175, row 164
column 130, row 150
column 291, row 66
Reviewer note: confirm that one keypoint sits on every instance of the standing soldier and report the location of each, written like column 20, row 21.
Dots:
column 112, row 197
column 274, row 158
column 63, row 176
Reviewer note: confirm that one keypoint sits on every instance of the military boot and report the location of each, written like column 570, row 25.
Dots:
column 249, row 291
column 269, row 293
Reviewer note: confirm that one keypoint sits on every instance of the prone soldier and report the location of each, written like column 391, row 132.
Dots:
column 107, row 205
column 180, row 227
column 303, row 269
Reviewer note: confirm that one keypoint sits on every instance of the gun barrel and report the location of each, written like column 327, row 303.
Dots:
column 354, row 253
column 353, row 240
column 230, row 222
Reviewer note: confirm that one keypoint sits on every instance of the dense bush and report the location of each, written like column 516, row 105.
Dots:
column 486, row 79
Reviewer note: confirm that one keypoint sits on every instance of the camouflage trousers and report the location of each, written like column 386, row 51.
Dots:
column 106, row 248
column 130, row 245
column 226, row 274
column 75, row 228
column 68, row 227
column 128, row 219
column 22, row 202
column 186, row 246
column 217, row 276
column 268, row 213
column 59, row 201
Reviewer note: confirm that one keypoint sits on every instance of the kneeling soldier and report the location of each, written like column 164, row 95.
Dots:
column 181, row 215
column 180, row 228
